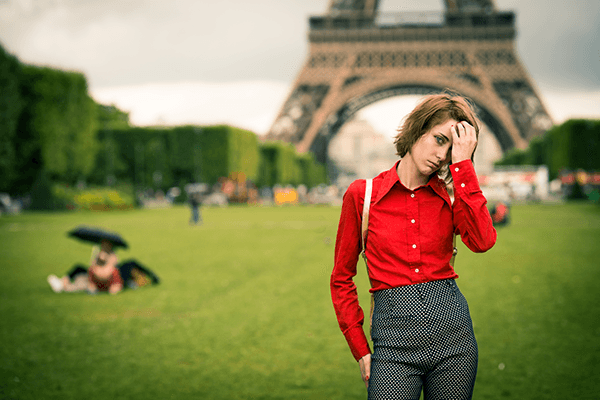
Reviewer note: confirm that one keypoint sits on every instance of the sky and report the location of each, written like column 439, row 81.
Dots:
column 234, row 61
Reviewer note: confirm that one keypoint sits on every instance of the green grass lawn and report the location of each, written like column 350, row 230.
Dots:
column 244, row 312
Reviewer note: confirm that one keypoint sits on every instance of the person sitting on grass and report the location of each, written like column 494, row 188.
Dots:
column 103, row 274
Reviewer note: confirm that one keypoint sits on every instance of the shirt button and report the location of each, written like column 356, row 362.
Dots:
column 414, row 246
column 412, row 195
column 417, row 270
column 456, row 169
column 412, row 221
column 462, row 185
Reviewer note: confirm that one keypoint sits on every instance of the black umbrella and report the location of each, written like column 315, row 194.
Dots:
column 97, row 235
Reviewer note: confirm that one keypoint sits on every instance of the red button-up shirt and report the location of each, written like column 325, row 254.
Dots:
column 409, row 238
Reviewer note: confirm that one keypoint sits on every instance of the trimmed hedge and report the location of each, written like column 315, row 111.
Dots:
column 57, row 129
column 572, row 145
column 11, row 105
column 278, row 165
column 313, row 173
column 225, row 150
column 281, row 165
column 64, row 136
column 135, row 155
column 165, row 157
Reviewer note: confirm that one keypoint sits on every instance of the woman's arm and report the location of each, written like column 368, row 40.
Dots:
column 343, row 290
column 472, row 220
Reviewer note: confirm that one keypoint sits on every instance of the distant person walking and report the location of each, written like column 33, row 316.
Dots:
column 195, row 203
column 422, row 333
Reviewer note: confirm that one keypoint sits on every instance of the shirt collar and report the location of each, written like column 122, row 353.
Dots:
column 390, row 178
column 439, row 187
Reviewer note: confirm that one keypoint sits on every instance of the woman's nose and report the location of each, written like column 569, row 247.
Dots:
column 441, row 154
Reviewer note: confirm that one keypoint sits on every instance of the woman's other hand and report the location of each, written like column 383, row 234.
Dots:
column 464, row 141
column 365, row 368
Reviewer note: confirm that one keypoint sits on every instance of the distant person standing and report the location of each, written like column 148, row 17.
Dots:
column 196, row 218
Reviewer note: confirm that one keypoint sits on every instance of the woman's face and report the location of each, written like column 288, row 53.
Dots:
column 433, row 150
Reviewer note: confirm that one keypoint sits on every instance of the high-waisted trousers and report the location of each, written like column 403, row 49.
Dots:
column 423, row 340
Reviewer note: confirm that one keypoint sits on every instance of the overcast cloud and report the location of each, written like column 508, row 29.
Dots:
column 140, row 50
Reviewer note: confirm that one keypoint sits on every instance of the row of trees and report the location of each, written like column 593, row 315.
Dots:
column 165, row 157
column 51, row 127
column 573, row 145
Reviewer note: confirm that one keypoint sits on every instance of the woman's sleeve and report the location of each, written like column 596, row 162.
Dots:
column 343, row 290
column 472, row 219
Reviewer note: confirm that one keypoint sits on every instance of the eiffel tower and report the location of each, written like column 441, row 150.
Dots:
column 359, row 56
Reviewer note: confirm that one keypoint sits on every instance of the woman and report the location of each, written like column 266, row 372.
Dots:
column 421, row 328
column 103, row 274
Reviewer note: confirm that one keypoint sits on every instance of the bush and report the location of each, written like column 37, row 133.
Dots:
column 573, row 145
column 94, row 199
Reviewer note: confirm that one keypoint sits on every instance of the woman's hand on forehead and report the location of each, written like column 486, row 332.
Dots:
column 464, row 141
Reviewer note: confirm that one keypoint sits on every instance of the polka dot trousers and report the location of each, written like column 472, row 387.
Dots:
column 423, row 340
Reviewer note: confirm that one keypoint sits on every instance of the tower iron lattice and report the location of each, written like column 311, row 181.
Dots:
column 359, row 56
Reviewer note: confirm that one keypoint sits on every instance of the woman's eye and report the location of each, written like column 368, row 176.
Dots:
column 439, row 140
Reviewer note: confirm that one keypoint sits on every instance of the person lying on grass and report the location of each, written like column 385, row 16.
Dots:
column 102, row 275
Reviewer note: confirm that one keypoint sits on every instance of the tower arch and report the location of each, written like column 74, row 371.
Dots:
column 348, row 110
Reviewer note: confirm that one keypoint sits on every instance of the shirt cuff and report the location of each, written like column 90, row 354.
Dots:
column 464, row 177
column 358, row 342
